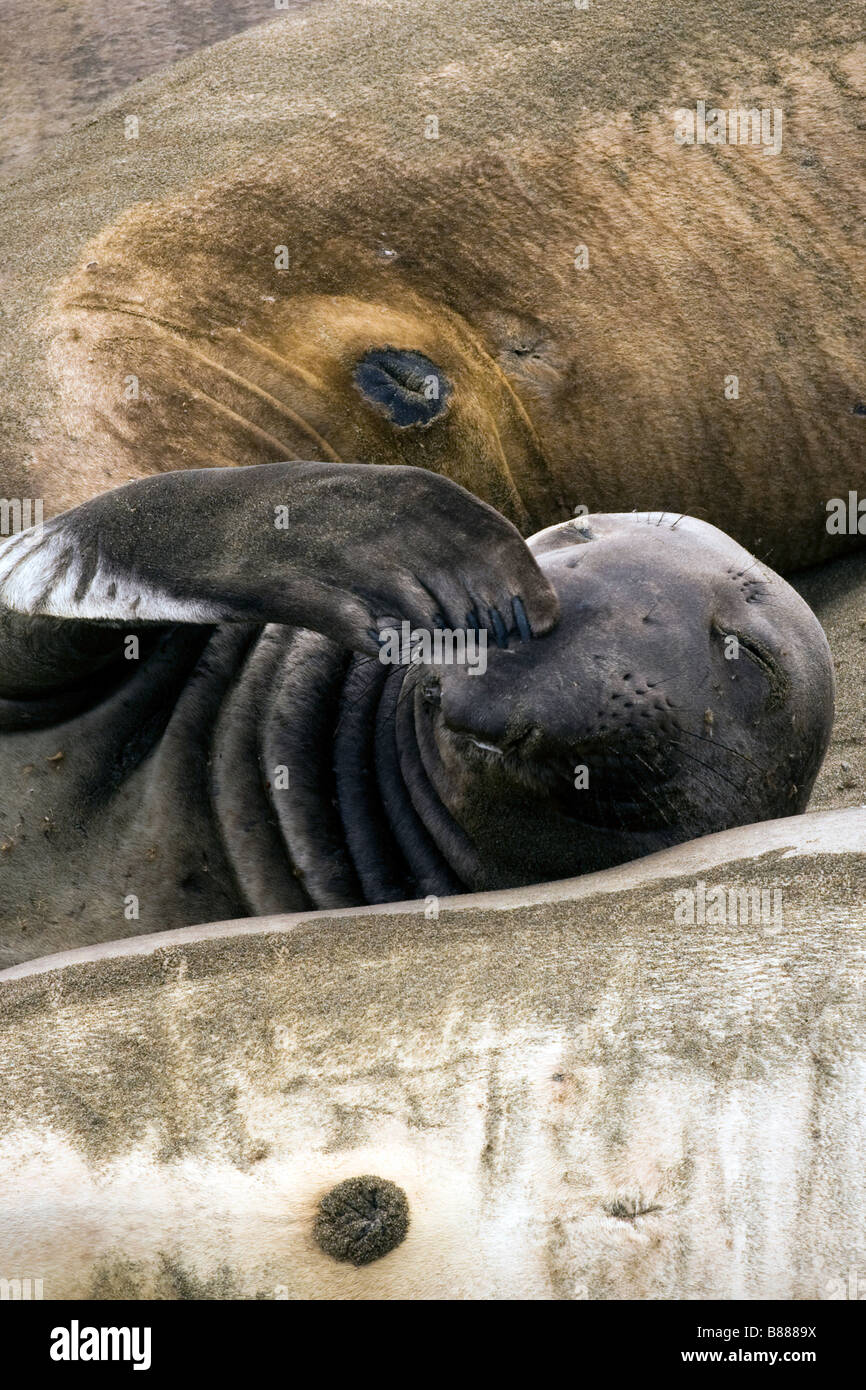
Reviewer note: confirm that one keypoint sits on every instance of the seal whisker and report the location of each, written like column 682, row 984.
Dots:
column 280, row 445
column 284, row 363
column 741, row 790
column 714, row 743
column 273, row 401
column 756, row 561
column 180, row 333
column 646, row 791
column 104, row 304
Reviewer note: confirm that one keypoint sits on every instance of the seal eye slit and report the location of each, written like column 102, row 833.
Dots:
column 761, row 658
column 759, row 654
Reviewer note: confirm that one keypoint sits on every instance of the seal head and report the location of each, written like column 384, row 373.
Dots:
column 686, row 689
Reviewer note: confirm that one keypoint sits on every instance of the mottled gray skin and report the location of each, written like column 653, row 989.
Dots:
column 578, row 1097
column 245, row 762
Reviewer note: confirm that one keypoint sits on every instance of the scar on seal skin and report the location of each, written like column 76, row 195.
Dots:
column 362, row 1219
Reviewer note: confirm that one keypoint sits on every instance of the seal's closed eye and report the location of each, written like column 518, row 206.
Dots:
column 762, row 659
column 403, row 385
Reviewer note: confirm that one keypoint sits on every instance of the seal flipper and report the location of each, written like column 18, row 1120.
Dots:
column 332, row 547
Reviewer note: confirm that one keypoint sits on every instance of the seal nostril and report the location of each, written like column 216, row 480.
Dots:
column 404, row 386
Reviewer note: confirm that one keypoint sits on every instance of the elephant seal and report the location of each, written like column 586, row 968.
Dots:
column 551, row 1092
column 463, row 238
column 186, row 735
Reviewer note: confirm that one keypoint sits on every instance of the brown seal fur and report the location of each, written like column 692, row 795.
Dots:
column 154, row 258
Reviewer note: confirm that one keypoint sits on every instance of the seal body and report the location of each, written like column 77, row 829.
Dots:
column 205, row 769
column 553, row 1092
column 477, row 248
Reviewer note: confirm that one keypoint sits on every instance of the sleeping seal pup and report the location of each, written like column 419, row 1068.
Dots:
column 197, row 722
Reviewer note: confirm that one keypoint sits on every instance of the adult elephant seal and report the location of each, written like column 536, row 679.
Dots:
column 237, row 762
column 462, row 237
column 552, row 1092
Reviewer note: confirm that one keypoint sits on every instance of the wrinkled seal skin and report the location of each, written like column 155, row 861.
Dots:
column 576, row 1099
column 242, row 763
column 154, row 258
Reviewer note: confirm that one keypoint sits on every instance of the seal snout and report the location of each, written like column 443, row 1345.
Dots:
column 558, row 730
